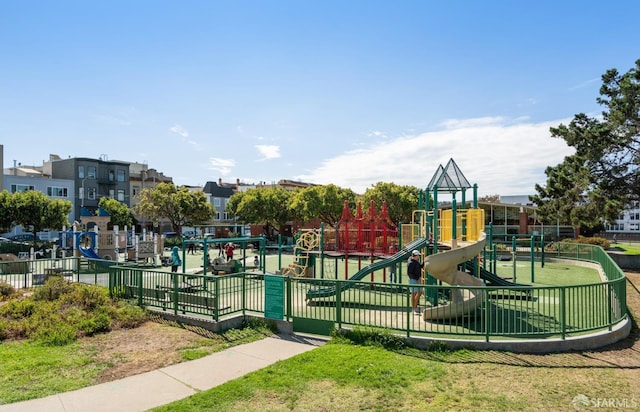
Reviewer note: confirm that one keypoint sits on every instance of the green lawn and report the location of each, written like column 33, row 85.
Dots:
column 347, row 377
column 627, row 248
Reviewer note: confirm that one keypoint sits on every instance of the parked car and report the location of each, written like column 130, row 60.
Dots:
column 4, row 239
column 23, row 237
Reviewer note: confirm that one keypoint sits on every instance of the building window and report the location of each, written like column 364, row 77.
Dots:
column 136, row 190
column 120, row 195
column 112, row 193
column 216, row 202
column 120, row 175
column 56, row 191
column 80, row 172
column 91, row 172
column 21, row 188
column 91, row 193
column 112, row 176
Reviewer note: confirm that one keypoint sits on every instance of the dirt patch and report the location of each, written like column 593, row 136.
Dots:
column 150, row 346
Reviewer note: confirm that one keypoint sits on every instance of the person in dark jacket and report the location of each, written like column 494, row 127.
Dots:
column 414, row 271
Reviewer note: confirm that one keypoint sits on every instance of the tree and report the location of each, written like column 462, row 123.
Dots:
column 121, row 215
column 401, row 200
column 490, row 198
column 6, row 211
column 36, row 211
column 568, row 198
column 322, row 202
column 606, row 159
column 268, row 206
column 176, row 204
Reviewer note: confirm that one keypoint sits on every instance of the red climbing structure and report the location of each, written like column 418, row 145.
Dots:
column 366, row 233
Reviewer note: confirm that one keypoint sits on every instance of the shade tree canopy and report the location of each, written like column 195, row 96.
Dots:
column 120, row 213
column 324, row 202
column 267, row 206
column 401, row 200
column 34, row 211
column 177, row 204
column 602, row 177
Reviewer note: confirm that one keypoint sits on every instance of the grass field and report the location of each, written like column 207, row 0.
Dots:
column 341, row 376
column 627, row 248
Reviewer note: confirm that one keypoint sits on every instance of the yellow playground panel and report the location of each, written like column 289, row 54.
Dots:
column 469, row 225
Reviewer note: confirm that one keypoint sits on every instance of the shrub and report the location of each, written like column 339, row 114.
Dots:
column 374, row 337
column 59, row 334
column 18, row 309
column 97, row 323
column 6, row 290
column 260, row 325
column 86, row 296
column 4, row 329
column 58, row 312
column 53, row 288
column 129, row 316
column 598, row 241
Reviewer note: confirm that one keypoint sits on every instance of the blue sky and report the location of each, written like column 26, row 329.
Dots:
column 343, row 92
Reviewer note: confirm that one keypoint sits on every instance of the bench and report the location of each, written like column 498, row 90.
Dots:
column 160, row 296
column 188, row 300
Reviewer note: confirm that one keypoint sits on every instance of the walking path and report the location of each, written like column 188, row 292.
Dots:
column 148, row 390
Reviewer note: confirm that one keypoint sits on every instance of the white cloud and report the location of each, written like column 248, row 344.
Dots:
column 268, row 151
column 222, row 166
column 176, row 128
column 502, row 157
column 584, row 84
column 378, row 134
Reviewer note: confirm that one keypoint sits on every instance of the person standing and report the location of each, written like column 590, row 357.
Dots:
column 229, row 247
column 175, row 259
column 414, row 271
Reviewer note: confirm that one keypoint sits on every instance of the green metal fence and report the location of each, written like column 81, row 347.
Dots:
column 496, row 313
column 32, row 273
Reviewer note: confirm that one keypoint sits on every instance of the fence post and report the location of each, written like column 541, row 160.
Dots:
column 563, row 313
column 288, row 297
column 409, row 312
column 609, row 304
column 487, row 316
column 216, row 288
column 533, row 246
column 338, row 304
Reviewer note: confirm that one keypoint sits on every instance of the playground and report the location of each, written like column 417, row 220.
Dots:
column 355, row 274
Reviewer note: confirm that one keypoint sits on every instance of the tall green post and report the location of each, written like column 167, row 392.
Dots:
column 475, row 195
column 513, row 241
column 435, row 219
column 431, row 294
column 321, row 250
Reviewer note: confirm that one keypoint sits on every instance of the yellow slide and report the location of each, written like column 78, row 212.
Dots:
column 444, row 266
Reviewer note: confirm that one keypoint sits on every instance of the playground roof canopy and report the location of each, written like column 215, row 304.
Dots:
column 449, row 179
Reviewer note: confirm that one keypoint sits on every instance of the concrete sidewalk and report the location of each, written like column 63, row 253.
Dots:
column 162, row 386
